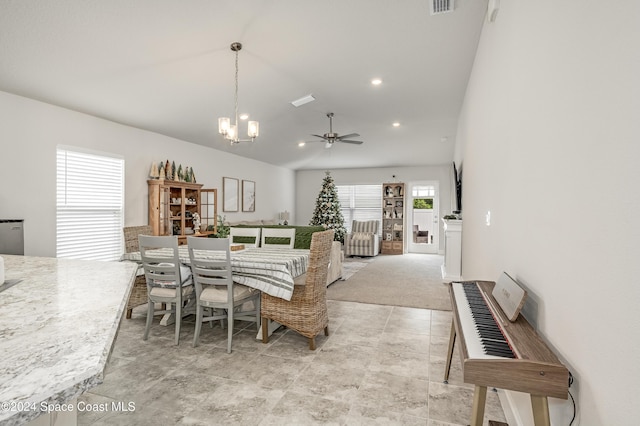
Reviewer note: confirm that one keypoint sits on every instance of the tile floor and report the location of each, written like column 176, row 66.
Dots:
column 380, row 365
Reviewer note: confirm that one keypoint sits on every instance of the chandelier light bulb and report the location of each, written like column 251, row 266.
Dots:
column 253, row 129
column 223, row 125
column 232, row 133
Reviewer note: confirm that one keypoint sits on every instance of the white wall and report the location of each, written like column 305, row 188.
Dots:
column 309, row 184
column 549, row 138
column 31, row 130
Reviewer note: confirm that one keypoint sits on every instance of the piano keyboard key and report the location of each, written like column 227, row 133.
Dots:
column 483, row 336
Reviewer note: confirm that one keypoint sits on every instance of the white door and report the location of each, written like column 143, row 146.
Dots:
column 422, row 217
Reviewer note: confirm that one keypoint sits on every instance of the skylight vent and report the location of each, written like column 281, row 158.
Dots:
column 439, row 7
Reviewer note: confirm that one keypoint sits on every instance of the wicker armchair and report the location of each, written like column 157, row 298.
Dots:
column 306, row 312
column 138, row 294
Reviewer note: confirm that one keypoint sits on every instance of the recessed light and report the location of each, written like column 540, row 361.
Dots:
column 396, row 124
column 376, row 82
column 302, row 143
column 244, row 116
column 303, row 100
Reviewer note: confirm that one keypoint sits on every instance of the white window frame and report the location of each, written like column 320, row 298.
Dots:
column 360, row 202
column 89, row 204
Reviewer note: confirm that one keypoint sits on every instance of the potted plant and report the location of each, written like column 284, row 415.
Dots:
column 223, row 229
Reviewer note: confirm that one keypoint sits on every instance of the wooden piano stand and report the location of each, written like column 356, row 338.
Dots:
column 479, row 400
column 537, row 371
column 540, row 406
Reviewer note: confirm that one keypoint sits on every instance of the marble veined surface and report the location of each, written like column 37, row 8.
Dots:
column 57, row 328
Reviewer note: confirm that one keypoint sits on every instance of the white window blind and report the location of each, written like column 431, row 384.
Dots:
column 90, row 205
column 360, row 202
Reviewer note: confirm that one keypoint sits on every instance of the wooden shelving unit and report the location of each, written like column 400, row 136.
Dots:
column 392, row 218
column 171, row 207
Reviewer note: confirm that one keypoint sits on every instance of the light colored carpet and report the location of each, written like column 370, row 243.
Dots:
column 411, row 280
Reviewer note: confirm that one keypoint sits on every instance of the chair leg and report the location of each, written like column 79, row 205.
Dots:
column 196, row 336
column 312, row 343
column 265, row 330
column 149, row 319
column 326, row 331
column 257, row 303
column 178, row 320
column 230, row 328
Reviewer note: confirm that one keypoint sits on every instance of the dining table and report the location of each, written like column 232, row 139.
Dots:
column 270, row 270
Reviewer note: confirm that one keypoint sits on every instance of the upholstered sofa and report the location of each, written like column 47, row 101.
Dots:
column 302, row 241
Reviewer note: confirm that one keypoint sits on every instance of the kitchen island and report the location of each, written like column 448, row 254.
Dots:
column 57, row 327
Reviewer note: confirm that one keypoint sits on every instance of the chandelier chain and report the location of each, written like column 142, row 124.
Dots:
column 236, row 96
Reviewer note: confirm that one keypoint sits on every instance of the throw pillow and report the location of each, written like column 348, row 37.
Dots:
column 360, row 236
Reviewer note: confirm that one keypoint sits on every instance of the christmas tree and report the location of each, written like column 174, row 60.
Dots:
column 327, row 212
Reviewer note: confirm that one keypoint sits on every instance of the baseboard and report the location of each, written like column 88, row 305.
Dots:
column 518, row 412
column 510, row 407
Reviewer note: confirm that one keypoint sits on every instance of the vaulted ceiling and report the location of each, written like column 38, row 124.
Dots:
column 166, row 66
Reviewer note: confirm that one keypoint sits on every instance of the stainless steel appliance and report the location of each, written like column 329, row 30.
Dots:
column 11, row 236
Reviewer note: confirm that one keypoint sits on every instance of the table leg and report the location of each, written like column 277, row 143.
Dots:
column 170, row 318
column 272, row 326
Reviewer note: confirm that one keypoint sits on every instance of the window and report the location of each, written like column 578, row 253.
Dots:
column 360, row 202
column 423, row 197
column 424, row 191
column 89, row 206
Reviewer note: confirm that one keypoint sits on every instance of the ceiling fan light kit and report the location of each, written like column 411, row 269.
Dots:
column 331, row 137
column 225, row 128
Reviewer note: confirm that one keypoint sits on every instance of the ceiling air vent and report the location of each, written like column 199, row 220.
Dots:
column 441, row 6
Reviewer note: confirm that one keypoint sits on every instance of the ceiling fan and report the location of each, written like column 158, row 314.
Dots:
column 331, row 137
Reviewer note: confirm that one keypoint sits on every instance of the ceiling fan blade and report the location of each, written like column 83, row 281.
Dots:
column 348, row 141
column 318, row 136
column 350, row 135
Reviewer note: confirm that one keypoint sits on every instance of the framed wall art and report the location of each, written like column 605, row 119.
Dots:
column 229, row 194
column 248, row 196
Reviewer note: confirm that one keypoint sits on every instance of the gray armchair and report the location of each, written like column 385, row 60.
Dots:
column 363, row 239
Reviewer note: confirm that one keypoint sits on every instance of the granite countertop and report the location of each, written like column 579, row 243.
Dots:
column 57, row 328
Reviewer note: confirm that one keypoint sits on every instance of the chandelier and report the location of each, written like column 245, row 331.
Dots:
column 228, row 130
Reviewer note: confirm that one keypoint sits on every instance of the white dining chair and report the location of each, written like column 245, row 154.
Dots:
column 168, row 281
column 210, row 260
column 239, row 235
column 280, row 234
